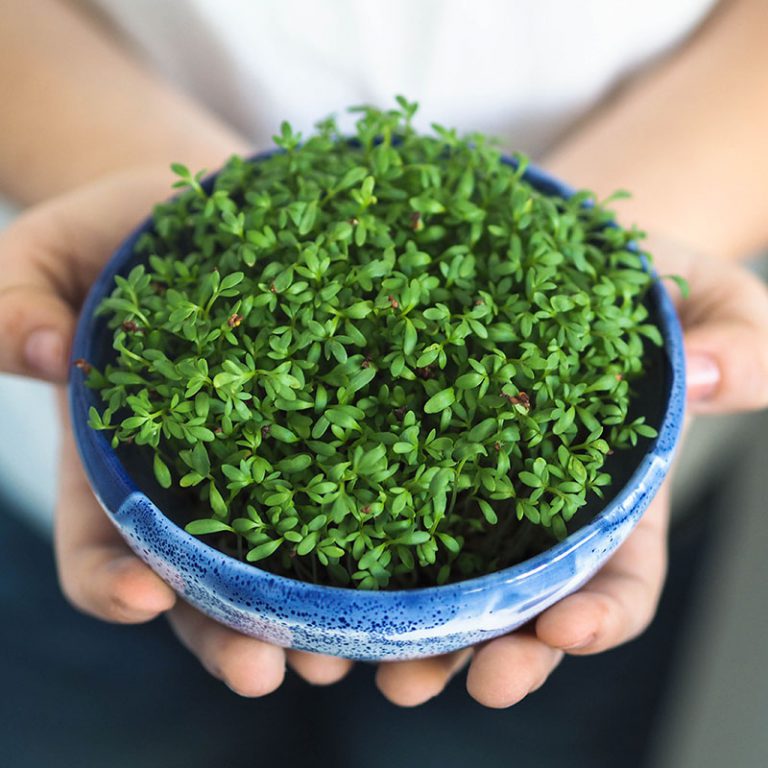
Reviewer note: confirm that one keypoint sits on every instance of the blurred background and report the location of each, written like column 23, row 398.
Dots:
column 694, row 688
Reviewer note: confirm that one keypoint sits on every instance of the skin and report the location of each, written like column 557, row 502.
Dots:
column 82, row 208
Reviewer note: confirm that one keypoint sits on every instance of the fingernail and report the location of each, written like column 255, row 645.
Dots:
column 703, row 375
column 44, row 352
column 583, row 643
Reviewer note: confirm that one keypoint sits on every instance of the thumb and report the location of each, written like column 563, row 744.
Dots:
column 48, row 258
column 37, row 297
column 38, row 327
column 727, row 342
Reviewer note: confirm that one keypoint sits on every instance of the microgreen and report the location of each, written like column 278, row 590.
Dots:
column 378, row 362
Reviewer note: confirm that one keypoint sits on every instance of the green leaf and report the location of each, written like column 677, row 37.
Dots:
column 201, row 433
column 125, row 377
column 191, row 479
column 428, row 356
column 264, row 550
column 646, row 430
column 483, row 430
column 359, row 310
column 276, row 499
column 293, row 464
column 449, row 542
column 282, row 434
column 202, row 527
column 372, row 459
column 332, row 551
column 308, row 218
column 410, row 338
column 565, row 422
column 442, row 400
column 558, row 527
column 180, row 170
column 352, row 177
column 94, row 419
column 199, row 461
column 651, row 332
column 307, row 544
column 362, row 379
column 162, row 473
column 529, row 479
column 470, row 380
column 425, row 204
column 230, row 281
column 342, row 418
column 218, row 505
column 488, row 512
column 681, row 283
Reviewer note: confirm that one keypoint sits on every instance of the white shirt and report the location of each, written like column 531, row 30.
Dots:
column 523, row 70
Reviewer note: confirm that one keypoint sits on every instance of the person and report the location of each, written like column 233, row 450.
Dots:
column 92, row 119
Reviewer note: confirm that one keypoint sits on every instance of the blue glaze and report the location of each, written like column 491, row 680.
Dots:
column 401, row 624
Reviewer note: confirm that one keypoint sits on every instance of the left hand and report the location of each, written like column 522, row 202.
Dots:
column 725, row 321
column 48, row 258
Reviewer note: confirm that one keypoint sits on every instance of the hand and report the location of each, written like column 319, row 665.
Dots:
column 48, row 258
column 725, row 320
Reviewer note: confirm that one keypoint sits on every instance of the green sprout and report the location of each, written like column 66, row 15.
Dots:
column 379, row 362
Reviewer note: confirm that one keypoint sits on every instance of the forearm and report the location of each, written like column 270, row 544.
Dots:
column 689, row 140
column 76, row 106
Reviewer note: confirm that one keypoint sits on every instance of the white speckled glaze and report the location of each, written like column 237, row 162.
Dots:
column 398, row 624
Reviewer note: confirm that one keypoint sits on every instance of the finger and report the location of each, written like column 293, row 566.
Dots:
column 38, row 329
column 318, row 669
column 248, row 666
column 410, row 683
column 49, row 257
column 97, row 571
column 504, row 671
column 726, row 339
column 620, row 602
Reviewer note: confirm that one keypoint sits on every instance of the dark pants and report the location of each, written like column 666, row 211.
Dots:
column 77, row 692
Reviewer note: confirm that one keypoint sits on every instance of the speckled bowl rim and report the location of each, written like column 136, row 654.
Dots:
column 113, row 486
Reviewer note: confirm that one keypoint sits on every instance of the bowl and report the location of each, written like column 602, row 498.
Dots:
column 370, row 625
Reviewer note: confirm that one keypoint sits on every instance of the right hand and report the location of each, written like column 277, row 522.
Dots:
column 49, row 257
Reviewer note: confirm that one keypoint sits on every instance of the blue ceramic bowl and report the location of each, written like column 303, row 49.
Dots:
column 357, row 624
